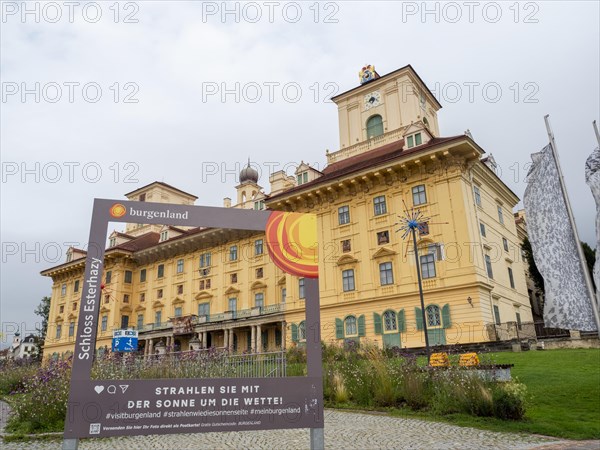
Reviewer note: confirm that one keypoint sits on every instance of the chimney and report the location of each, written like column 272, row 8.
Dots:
column 227, row 202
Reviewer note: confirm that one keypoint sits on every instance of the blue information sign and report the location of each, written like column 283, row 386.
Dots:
column 125, row 341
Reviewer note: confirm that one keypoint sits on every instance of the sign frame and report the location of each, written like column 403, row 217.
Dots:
column 92, row 402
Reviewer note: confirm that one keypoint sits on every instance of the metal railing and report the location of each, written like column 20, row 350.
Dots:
column 205, row 363
column 220, row 317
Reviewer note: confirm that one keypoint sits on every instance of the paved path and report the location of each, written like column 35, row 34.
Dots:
column 343, row 430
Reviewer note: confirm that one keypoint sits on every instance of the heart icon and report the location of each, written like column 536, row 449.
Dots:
column 99, row 389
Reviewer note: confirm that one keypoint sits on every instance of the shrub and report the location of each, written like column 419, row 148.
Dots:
column 42, row 405
column 13, row 374
column 510, row 400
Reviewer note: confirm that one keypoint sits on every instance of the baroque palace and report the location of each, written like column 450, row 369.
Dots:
column 191, row 288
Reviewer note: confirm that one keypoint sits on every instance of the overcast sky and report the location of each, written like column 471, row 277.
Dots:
column 129, row 95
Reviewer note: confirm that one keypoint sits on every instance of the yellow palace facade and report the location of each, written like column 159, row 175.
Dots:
column 190, row 288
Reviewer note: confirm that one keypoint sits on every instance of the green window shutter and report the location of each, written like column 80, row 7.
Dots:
column 377, row 323
column 419, row 317
column 401, row 321
column 391, row 340
column 294, row 332
column 446, row 322
column 339, row 329
column 361, row 325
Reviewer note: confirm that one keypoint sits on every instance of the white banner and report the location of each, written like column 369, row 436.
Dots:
column 567, row 303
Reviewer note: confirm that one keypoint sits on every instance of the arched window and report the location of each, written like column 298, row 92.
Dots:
column 302, row 331
column 433, row 316
column 390, row 321
column 374, row 126
column 350, row 326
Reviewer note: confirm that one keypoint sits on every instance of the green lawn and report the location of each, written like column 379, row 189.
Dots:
column 564, row 386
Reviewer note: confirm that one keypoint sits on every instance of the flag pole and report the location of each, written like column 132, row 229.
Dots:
column 563, row 187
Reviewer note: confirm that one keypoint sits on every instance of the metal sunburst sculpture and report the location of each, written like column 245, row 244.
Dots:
column 410, row 223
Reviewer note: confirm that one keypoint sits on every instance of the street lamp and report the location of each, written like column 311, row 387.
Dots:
column 410, row 223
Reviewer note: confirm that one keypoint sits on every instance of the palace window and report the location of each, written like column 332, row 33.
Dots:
column 204, row 309
column 142, row 297
column 159, row 293
column 160, row 271
column 386, row 275
column 350, row 326
column 124, row 322
column 302, row 331
column 201, row 285
column 258, row 247
column 71, row 329
column 259, row 298
column 414, row 140
column 58, row 331
column 343, row 215
column 488, row 266
column 500, row 215
column 158, row 317
column 61, row 309
column 283, row 294
column 112, row 242
column 108, row 276
column 497, row 315
column 518, row 317
column 374, row 126
column 511, row 278
column 505, row 244
column 208, row 284
column 423, row 228
column 125, row 298
column 142, row 197
column 180, row 266
column 390, row 321
column 233, row 304
column 259, row 205
column 76, row 286
column 477, row 194
column 107, row 298
column 259, row 272
column 233, row 253
column 433, row 316
column 104, row 325
column 143, row 276
column 63, row 289
column 348, row 280
column 383, row 237
column 233, row 278
column 302, row 178
column 346, row 246
column 419, row 195
column 179, row 289
column 428, row 266
column 205, row 260
column 140, row 322
column 178, row 311
column 301, row 288
column 379, row 205
column 164, row 235
column 128, row 276
column 482, row 229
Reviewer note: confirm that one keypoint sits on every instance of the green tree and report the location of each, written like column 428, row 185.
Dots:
column 590, row 258
column 534, row 273
column 43, row 310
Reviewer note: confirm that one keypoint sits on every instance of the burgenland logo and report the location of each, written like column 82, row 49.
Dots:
column 118, row 210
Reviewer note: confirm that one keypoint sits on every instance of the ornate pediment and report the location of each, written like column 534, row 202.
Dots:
column 231, row 290
column 178, row 301
column 158, row 304
column 258, row 285
column 126, row 308
column 281, row 280
column 203, row 295
column 346, row 259
column 383, row 252
column 140, row 308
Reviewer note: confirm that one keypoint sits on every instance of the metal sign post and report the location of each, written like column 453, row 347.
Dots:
column 102, row 408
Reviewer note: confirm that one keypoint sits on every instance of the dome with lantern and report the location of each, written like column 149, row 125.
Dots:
column 248, row 174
